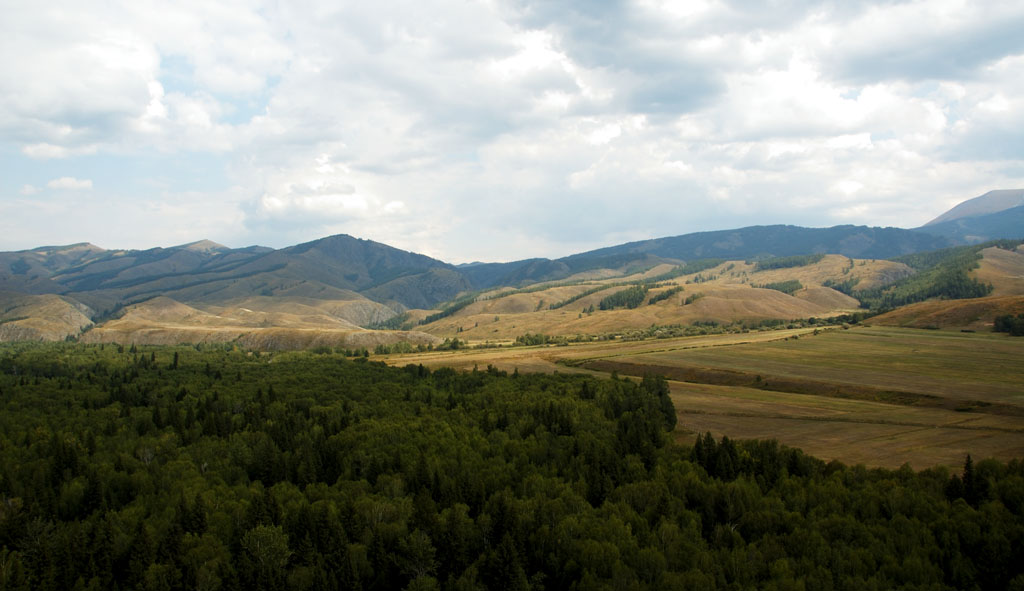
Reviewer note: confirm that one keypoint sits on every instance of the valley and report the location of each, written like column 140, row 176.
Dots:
column 880, row 396
column 812, row 336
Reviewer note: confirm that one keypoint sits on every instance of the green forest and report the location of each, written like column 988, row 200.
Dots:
column 216, row 468
column 941, row 274
column 788, row 262
column 1010, row 324
column 630, row 297
column 787, row 287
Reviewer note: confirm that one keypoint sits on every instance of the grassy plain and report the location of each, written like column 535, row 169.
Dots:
column 880, row 396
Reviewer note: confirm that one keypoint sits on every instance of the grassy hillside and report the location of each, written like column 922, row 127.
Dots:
column 708, row 291
column 267, row 325
column 1003, row 269
column 41, row 317
column 943, row 274
column 972, row 314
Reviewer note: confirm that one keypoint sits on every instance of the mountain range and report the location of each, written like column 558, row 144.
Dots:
column 346, row 284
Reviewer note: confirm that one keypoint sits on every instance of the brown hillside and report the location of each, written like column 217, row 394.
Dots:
column 266, row 339
column 163, row 312
column 719, row 303
column 973, row 314
column 302, row 312
column 868, row 272
column 521, row 303
column 163, row 321
column 727, row 305
column 1004, row 269
column 727, row 293
column 827, row 297
column 40, row 317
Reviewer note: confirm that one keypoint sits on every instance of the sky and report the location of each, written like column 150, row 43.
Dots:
column 497, row 130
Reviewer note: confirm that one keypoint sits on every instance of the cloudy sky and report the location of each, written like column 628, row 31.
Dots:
column 497, row 130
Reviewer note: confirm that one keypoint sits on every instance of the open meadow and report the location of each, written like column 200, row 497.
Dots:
column 874, row 395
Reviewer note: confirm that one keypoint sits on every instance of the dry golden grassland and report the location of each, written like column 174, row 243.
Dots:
column 974, row 314
column 258, row 323
column 872, row 395
column 728, row 294
column 39, row 317
column 1004, row 269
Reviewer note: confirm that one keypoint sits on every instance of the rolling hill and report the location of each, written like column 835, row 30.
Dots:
column 727, row 292
column 204, row 291
column 163, row 321
column 753, row 242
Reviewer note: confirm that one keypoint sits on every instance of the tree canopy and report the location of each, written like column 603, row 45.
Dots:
column 214, row 468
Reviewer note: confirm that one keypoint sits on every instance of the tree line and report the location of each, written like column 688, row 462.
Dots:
column 801, row 260
column 631, row 297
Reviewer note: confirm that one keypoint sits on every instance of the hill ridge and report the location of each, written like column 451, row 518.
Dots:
column 991, row 202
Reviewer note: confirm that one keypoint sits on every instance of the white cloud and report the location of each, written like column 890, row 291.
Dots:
column 46, row 151
column 512, row 128
column 71, row 183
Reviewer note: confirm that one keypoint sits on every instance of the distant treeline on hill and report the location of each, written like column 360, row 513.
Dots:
column 788, row 262
column 213, row 468
column 451, row 308
column 787, row 287
column 664, row 295
column 631, row 297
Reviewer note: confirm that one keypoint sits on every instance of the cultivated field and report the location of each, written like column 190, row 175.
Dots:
column 873, row 395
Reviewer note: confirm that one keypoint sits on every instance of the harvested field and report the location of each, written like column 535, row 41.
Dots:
column 873, row 395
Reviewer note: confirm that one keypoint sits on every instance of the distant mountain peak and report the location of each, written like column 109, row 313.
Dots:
column 991, row 202
column 67, row 248
column 203, row 246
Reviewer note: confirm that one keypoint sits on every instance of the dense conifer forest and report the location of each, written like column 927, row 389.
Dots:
column 213, row 468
